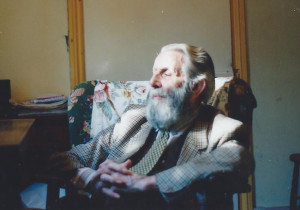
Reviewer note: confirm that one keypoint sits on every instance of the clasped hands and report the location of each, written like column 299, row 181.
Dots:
column 113, row 179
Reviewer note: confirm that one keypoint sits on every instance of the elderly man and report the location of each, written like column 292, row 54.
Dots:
column 156, row 157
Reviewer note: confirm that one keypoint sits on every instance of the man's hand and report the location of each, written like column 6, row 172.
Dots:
column 113, row 179
column 108, row 167
column 117, row 183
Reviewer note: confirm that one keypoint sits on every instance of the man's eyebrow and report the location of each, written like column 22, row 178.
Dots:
column 178, row 70
column 160, row 68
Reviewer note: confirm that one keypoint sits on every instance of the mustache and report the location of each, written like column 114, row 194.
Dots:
column 158, row 92
column 171, row 93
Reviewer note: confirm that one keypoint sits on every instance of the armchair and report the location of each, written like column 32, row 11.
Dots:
column 96, row 104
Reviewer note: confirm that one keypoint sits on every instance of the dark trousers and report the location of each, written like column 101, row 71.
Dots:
column 132, row 201
column 145, row 201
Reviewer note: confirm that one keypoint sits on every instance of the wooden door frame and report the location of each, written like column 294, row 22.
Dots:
column 76, row 42
column 239, row 39
column 240, row 68
column 239, row 58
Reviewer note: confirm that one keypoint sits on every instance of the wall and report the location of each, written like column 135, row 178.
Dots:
column 33, row 52
column 274, row 46
column 123, row 37
column 121, row 41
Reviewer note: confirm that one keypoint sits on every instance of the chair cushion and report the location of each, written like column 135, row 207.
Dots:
column 219, row 98
column 80, row 106
column 111, row 99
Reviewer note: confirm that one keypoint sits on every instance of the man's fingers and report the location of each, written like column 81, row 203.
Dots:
column 96, row 175
column 113, row 179
column 103, row 170
column 110, row 192
column 127, row 163
column 107, row 178
column 111, row 166
column 98, row 185
column 120, row 167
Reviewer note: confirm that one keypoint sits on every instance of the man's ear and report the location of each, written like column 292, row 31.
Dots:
column 198, row 88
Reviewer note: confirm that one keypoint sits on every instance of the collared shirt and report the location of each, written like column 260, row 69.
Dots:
column 171, row 153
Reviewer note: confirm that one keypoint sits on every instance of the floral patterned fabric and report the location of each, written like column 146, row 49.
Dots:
column 219, row 98
column 235, row 99
column 111, row 99
column 80, row 106
column 95, row 105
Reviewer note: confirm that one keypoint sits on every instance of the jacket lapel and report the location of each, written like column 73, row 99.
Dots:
column 132, row 145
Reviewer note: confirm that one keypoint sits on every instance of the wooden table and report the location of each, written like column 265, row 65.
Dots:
column 51, row 130
column 14, row 135
column 14, row 131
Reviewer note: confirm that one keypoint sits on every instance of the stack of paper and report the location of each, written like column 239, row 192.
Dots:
column 54, row 103
column 48, row 99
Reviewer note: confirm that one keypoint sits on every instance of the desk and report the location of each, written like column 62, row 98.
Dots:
column 13, row 141
column 51, row 130
column 50, row 133
column 13, row 131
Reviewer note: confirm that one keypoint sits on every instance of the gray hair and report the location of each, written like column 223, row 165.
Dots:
column 197, row 66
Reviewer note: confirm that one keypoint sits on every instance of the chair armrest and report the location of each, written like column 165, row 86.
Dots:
column 227, row 183
column 61, row 179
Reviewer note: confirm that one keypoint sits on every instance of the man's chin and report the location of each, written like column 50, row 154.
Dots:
column 160, row 115
column 158, row 102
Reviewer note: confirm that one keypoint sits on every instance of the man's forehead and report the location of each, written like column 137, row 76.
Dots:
column 169, row 57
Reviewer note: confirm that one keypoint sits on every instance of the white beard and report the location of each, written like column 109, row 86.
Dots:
column 173, row 112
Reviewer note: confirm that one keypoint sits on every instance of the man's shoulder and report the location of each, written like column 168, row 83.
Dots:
column 220, row 127
column 133, row 114
column 134, row 110
column 225, row 122
column 136, row 107
column 217, row 118
column 224, row 128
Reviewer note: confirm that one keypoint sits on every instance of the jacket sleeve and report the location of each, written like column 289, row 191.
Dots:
column 84, row 159
column 81, row 161
column 226, row 153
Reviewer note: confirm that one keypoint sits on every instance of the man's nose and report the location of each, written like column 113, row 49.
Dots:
column 155, row 81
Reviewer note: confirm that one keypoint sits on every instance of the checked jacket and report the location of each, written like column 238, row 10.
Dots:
column 214, row 144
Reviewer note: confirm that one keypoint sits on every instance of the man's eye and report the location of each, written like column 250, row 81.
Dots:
column 166, row 74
